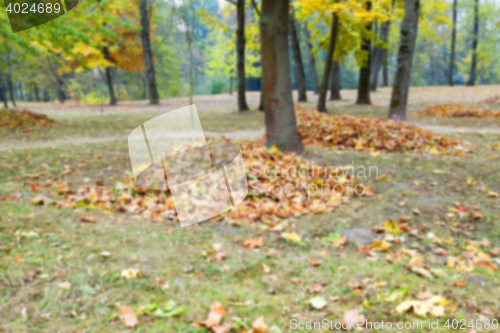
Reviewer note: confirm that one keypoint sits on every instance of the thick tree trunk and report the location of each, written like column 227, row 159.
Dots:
column 328, row 64
column 109, row 79
column 297, row 58
column 37, row 95
column 335, row 82
column 281, row 125
column 379, row 55
column 453, row 41
column 154, row 97
column 472, row 77
column 11, row 90
column 364, row 71
column 312, row 62
column 409, row 29
column 240, row 54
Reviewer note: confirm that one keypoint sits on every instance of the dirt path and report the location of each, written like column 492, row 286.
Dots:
column 239, row 135
column 242, row 135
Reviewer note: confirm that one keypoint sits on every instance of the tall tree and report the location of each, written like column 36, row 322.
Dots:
column 328, row 64
column 261, row 99
column 453, row 41
column 109, row 77
column 335, row 82
column 312, row 61
column 364, row 71
column 281, row 125
column 385, row 70
column 380, row 54
column 409, row 30
column 240, row 55
column 297, row 58
column 189, row 40
column 154, row 98
column 473, row 66
column 3, row 91
column 107, row 72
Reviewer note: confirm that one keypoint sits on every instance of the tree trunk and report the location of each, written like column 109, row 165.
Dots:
column 328, row 64
column 472, row 77
column 11, row 89
column 3, row 91
column 46, row 96
column 281, row 125
column 37, row 95
column 61, row 95
column 453, row 41
column 379, row 55
column 297, row 58
column 364, row 71
column 109, row 79
column 385, row 70
column 409, row 30
column 230, row 85
column 261, row 99
column 20, row 88
column 190, row 47
column 4, row 98
column 240, row 53
column 312, row 62
column 335, row 84
column 154, row 98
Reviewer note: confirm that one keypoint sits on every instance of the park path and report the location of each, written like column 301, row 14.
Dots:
column 239, row 135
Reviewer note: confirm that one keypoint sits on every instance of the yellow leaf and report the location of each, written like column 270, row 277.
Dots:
column 291, row 236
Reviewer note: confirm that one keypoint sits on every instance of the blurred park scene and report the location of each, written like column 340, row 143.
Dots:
column 370, row 133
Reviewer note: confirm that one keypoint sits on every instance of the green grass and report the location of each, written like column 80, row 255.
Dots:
column 61, row 248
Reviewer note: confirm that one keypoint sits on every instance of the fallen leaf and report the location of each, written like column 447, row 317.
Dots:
column 318, row 302
column 316, row 289
column 315, row 262
column 353, row 318
column 460, row 283
column 215, row 315
column 130, row 273
column 421, row 271
column 128, row 317
column 433, row 306
column 253, row 243
column 291, row 236
column 64, row 285
column 380, row 245
column 259, row 326
column 88, row 219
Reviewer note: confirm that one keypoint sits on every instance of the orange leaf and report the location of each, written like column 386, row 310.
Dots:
column 128, row 317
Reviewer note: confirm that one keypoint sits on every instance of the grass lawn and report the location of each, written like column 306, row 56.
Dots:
column 43, row 246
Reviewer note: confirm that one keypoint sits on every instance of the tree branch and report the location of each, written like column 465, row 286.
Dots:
column 255, row 8
column 232, row 2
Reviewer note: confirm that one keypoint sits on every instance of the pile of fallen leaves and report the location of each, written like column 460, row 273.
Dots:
column 24, row 119
column 456, row 111
column 491, row 100
column 376, row 135
column 280, row 185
